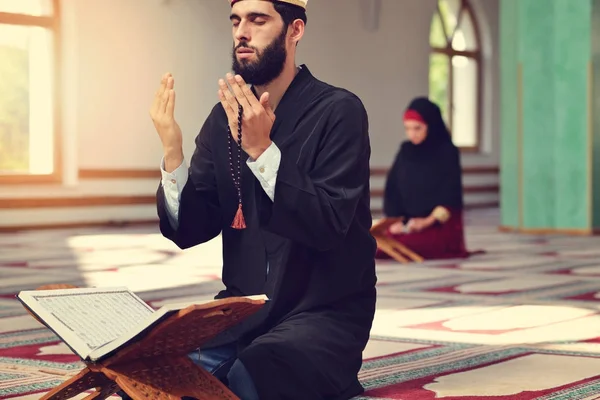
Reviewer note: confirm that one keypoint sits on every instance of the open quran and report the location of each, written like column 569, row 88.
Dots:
column 126, row 343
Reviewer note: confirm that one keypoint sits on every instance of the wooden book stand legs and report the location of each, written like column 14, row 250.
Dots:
column 391, row 247
column 396, row 250
column 86, row 379
column 167, row 378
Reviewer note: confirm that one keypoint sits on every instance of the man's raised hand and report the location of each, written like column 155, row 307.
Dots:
column 162, row 113
column 257, row 119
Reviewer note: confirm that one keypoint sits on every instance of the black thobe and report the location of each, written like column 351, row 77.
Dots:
column 307, row 342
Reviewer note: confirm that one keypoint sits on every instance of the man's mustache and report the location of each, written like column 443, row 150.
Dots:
column 245, row 46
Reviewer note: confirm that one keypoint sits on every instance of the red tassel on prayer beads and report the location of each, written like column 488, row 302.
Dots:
column 238, row 221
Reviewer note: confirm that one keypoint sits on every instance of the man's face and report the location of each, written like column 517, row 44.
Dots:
column 259, row 41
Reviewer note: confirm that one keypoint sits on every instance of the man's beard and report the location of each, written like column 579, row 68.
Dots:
column 266, row 67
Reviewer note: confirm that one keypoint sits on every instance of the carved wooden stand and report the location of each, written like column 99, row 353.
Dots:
column 391, row 247
column 157, row 367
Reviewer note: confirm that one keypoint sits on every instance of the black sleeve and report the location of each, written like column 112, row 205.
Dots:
column 199, row 217
column 392, row 198
column 317, row 207
column 451, row 188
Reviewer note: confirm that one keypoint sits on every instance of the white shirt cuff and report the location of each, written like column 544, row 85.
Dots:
column 173, row 184
column 265, row 168
column 176, row 179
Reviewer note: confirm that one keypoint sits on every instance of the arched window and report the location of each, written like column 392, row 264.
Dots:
column 28, row 91
column 455, row 70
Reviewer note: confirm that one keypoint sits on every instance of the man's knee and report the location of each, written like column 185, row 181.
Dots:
column 240, row 382
column 216, row 360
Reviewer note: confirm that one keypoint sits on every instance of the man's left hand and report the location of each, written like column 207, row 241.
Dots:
column 257, row 118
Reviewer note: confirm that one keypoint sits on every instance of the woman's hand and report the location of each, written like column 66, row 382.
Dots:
column 397, row 228
column 420, row 224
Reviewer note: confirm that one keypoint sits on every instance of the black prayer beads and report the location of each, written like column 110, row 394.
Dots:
column 236, row 173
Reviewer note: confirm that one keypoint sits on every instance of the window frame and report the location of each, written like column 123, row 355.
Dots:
column 476, row 55
column 52, row 23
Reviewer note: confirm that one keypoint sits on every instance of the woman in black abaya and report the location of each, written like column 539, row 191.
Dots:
column 424, row 187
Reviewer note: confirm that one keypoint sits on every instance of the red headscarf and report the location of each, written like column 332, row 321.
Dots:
column 414, row 116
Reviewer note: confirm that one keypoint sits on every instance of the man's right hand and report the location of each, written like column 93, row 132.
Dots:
column 162, row 113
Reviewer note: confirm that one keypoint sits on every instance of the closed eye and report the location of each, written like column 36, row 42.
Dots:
column 256, row 18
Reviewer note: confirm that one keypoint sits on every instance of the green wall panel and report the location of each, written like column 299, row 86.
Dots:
column 509, row 155
column 572, row 27
column 536, row 49
column 595, row 57
column 553, row 43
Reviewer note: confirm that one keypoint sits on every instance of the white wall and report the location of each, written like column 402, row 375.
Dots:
column 487, row 13
column 116, row 50
column 385, row 68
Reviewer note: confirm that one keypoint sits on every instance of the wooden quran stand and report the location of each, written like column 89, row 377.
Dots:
column 391, row 247
column 157, row 367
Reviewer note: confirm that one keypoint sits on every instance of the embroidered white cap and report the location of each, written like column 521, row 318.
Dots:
column 299, row 3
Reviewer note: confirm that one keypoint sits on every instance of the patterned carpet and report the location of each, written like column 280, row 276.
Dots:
column 520, row 322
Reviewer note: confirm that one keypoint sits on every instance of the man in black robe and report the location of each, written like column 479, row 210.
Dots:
column 292, row 203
